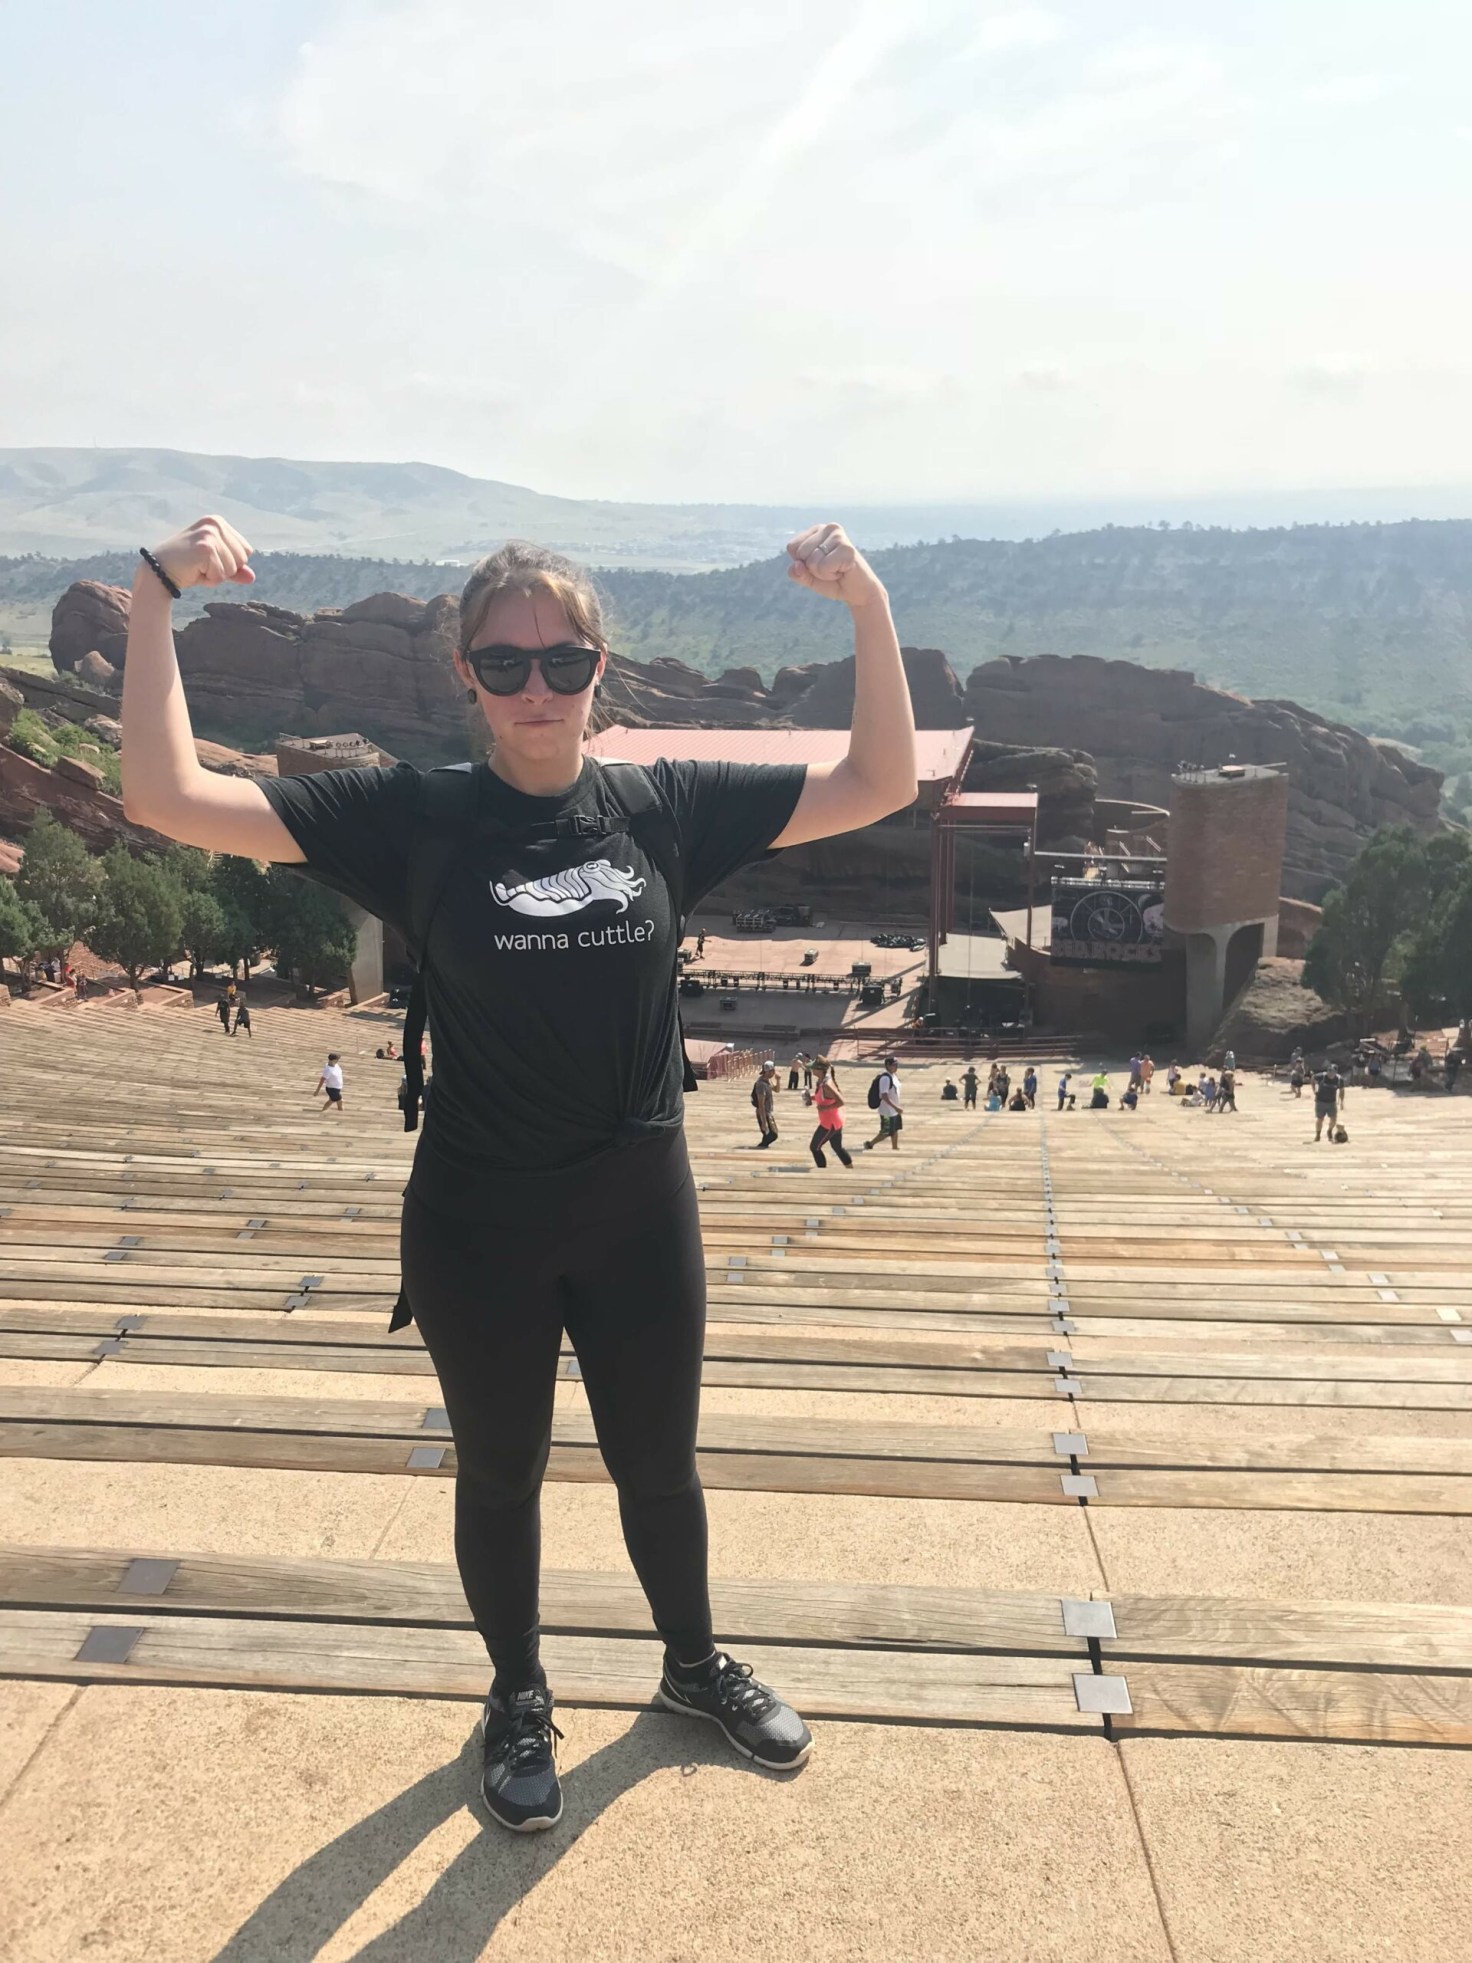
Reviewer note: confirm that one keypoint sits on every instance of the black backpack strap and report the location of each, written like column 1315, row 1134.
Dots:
column 447, row 813
column 652, row 827
column 446, row 820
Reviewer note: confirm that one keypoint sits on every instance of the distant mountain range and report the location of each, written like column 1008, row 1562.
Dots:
column 1367, row 623
column 68, row 502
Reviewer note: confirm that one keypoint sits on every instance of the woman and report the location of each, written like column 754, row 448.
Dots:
column 829, row 1101
column 550, row 1188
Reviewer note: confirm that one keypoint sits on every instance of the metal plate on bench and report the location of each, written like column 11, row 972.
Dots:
column 1088, row 1618
column 426, row 1458
column 109, row 1642
column 1101, row 1694
column 147, row 1577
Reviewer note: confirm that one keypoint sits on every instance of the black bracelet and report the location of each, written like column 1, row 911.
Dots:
column 148, row 559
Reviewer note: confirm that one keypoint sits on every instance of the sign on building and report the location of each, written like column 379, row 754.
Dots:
column 1114, row 923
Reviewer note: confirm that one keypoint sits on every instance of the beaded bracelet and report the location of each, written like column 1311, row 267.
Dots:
column 149, row 560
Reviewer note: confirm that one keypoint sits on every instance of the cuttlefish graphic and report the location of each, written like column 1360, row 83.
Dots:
column 571, row 891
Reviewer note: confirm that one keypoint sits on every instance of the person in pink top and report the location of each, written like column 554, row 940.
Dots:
column 829, row 1101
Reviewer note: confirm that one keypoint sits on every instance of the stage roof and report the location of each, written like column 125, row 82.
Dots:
column 939, row 753
column 994, row 807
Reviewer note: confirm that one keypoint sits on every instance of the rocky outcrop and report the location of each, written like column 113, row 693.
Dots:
column 92, row 668
column 74, row 794
column 1140, row 723
column 1065, row 780
column 383, row 663
column 1274, row 1015
column 78, row 771
column 1077, row 726
column 825, row 698
column 59, row 697
column 89, row 617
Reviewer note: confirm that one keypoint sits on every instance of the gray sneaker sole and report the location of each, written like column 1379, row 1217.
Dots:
column 771, row 1765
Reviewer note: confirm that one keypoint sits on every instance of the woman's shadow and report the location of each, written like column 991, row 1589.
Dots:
column 454, row 1920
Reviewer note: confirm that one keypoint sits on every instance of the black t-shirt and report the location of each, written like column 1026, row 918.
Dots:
column 550, row 959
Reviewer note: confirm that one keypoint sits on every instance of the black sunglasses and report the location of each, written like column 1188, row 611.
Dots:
column 566, row 669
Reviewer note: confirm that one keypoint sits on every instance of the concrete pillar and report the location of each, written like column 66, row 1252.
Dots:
column 1206, row 976
column 365, row 977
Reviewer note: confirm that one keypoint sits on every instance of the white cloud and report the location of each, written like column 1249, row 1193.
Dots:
column 1331, row 374
column 878, row 382
column 1130, row 124
column 1029, row 28
column 1346, row 90
column 1047, row 377
column 645, row 136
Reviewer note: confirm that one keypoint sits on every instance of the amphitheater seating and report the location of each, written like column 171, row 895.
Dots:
column 1169, row 1315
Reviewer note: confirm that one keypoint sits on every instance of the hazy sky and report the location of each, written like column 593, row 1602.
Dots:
column 771, row 251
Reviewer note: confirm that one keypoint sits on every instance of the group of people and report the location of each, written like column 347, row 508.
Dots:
column 1205, row 1091
column 230, row 1003
column 822, row 1092
column 1216, row 1093
column 61, row 974
column 1001, row 1095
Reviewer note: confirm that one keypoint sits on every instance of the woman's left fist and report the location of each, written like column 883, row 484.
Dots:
column 826, row 559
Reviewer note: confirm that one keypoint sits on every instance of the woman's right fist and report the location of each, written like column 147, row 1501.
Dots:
column 206, row 553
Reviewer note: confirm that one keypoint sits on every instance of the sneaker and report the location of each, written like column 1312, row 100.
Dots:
column 519, row 1783
column 755, row 1719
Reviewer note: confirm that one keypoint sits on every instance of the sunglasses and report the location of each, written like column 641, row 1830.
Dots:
column 566, row 669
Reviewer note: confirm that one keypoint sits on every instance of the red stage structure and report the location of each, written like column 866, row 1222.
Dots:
column 995, row 811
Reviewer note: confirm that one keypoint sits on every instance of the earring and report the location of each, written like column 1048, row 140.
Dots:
column 597, row 688
column 471, row 696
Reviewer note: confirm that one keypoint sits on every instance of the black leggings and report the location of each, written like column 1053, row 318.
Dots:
column 611, row 1252
column 825, row 1136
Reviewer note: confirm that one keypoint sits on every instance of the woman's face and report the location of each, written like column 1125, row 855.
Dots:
column 534, row 723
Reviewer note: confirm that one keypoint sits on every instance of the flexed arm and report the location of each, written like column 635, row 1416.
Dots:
column 877, row 775
column 164, row 784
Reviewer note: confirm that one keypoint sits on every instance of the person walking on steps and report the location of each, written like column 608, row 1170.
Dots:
column 794, row 1073
column 242, row 1016
column 886, row 1094
column 968, row 1087
column 550, row 1188
column 331, row 1082
column 829, row 1102
column 761, row 1101
column 1328, row 1097
column 223, row 1005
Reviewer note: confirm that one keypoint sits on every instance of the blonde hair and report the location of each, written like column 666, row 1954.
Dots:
column 521, row 567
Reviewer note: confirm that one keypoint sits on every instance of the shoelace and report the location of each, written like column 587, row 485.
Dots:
column 525, row 1739
column 736, row 1686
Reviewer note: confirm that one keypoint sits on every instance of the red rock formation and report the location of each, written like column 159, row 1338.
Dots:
column 97, row 818
column 382, row 665
column 1139, row 723
column 89, row 616
column 826, row 698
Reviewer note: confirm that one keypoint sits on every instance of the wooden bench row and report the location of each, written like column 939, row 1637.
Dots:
column 769, row 1454
column 1344, row 1672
